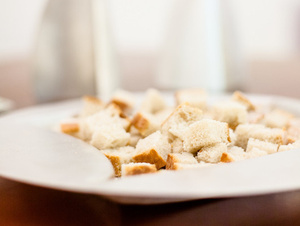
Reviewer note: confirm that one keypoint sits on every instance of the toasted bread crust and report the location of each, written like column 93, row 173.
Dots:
column 69, row 128
column 93, row 99
column 171, row 160
column 238, row 96
column 122, row 105
column 226, row 158
column 141, row 169
column 151, row 157
column 115, row 161
column 140, row 123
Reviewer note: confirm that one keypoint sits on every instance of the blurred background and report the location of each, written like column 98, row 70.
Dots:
column 58, row 49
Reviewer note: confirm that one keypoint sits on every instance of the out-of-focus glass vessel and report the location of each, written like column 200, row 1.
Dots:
column 73, row 50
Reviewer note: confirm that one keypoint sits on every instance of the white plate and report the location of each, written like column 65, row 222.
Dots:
column 31, row 153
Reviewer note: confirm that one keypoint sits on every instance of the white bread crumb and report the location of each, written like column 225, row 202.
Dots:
column 153, row 102
column 91, row 105
column 186, row 158
column 288, row 147
column 270, row 148
column 231, row 112
column 119, row 156
column 195, row 97
column 233, row 138
column 242, row 99
column 109, row 136
column 255, row 117
column 238, row 154
column 182, row 116
column 177, row 145
column 205, row 132
column 153, row 149
column 162, row 115
column 260, row 132
column 277, row 119
column 211, row 154
column 125, row 100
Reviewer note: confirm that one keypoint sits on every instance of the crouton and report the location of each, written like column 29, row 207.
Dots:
column 153, row 102
column 231, row 112
column 153, row 149
column 70, row 128
column 241, row 98
column 183, row 166
column 91, row 105
column 182, row 116
column 205, row 132
column 109, row 136
column 145, row 123
column 238, row 154
column 295, row 145
column 211, row 154
column 173, row 158
column 119, row 156
column 268, row 147
column 138, row 168
column 177, row 145
column 195, row 97
column 124, row 100
column 277, row 119
column 260, row 132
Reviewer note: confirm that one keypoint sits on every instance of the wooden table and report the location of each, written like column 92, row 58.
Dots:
column 22, row 204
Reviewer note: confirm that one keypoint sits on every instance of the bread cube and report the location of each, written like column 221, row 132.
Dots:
column 211, row 154
column 231, row 112
column 268, row 147
column 185, row 157
column 242, row 99
column 125, row 100
column 260, row 132
column 109, row 136
column 91, row 105
column 295, row 145
column 205, row 132
column 277, row 119
column 153, row 149
column 119, row 156
column 153, row 102
column 137, row 168
column 181, row 117
column 145, row 123
column 195, row 97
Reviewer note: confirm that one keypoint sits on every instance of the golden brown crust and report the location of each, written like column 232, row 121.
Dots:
column 228, row 134
column 69, row 128
column 140, row 169
column 174, row 112
column 195, row 91
column 140, row 123
column 151, row 157
column 122, row 105
column 238, row 96
column 171, row 160
column 277, row 140
column 226, row 158
column 120, row 113
column 115, row 161
column 93, row 99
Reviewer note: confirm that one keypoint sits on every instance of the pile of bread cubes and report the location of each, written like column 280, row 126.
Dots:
column 155, row 136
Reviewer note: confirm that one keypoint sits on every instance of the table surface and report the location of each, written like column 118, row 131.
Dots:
column 22, row 204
